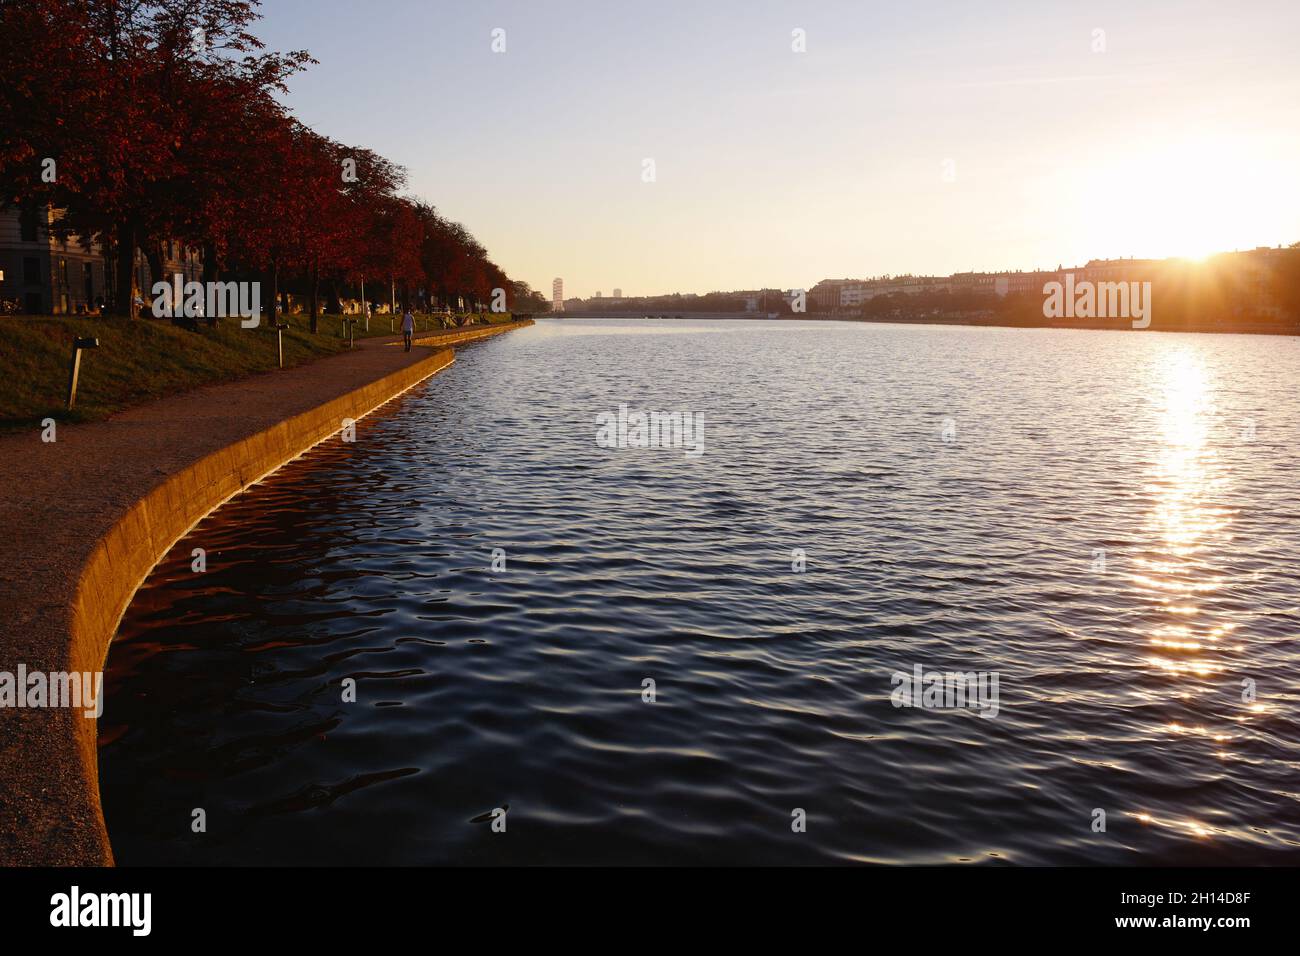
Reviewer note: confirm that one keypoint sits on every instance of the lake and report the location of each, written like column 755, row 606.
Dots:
column 477, row 635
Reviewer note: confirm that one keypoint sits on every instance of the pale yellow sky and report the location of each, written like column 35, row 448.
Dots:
column 929, row 137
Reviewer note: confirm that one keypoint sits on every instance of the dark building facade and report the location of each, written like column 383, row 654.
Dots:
column 45, row 275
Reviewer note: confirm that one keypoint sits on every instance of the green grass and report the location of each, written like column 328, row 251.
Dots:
column 380, row 324
column 145, row 359
column 136, row 361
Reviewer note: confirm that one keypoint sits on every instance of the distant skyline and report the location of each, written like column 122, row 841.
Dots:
column 557, row 285
column 934, row 138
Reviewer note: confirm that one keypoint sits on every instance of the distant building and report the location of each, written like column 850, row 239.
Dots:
column 973, row 282
column 557, row 295
column 1256, row 273
column 1024, row 283
column 1249, row 283
column 46, row 275
column 825, row 295
column 854, row 294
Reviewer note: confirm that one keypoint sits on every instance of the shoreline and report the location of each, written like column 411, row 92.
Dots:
column 141, row 361
column 1094, row 326
column 92, row 513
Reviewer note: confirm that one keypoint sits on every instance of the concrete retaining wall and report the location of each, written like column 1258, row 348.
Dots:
column 87, row 517
column 462, row 336
column 125, row 556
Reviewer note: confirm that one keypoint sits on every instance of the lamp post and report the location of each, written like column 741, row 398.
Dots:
column 279, row 340
column 74, row 369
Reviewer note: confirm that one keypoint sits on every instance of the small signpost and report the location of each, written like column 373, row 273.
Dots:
column 279, row 339
column 350, row 323
column 74, row 369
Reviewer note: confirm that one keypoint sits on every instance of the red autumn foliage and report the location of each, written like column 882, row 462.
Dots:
column 162, row 119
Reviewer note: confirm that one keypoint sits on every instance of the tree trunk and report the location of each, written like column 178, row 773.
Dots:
column 274, row 284
column 315, row 294
column 209, row 262
column 124, row 295
column 153, row 256
column 210, row 274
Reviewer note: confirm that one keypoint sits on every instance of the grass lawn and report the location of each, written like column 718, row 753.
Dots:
column 392, row 324
column 145, row 359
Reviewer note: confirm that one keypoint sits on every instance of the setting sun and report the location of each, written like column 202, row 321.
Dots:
column 1190, row 197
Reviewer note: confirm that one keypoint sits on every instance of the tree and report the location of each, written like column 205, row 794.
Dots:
column 160, row 119
column 125, row 97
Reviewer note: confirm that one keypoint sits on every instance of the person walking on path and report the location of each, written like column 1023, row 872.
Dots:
column 408, row 329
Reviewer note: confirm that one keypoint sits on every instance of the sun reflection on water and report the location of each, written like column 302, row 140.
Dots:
column 1186, row 523
column 1187, row 531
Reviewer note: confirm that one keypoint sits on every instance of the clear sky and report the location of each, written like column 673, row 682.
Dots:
column 912, row 136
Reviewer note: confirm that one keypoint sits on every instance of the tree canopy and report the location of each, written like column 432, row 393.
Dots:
column 153, row 120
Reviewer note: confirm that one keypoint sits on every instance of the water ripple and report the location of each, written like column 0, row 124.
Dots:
column 1107, row 521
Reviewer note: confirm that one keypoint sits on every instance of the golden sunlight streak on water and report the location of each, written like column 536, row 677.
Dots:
column 1186, row 530
column 1184, row 523
column 1191, row 827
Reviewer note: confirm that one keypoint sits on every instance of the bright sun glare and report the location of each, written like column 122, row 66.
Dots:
column 1192, row 198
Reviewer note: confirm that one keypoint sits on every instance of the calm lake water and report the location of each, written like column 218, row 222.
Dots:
column 1109, row 522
